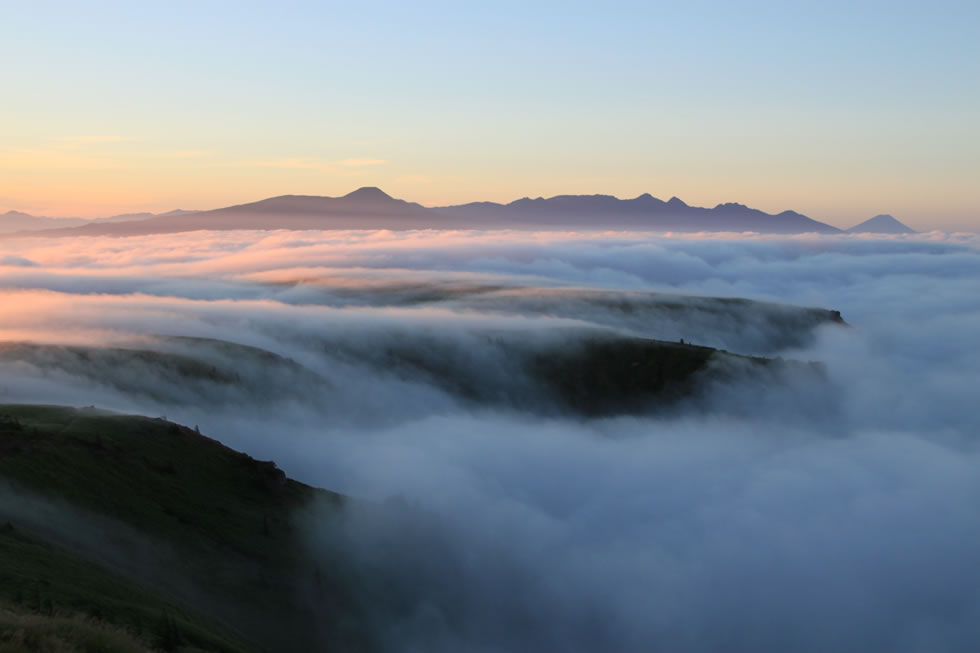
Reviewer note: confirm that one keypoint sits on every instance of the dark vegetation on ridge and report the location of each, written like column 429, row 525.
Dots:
column 587, row 374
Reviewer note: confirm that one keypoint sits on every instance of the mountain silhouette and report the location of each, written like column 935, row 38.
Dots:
column 13, row 221
column 881, row 224
column 368, row 194
column 643, row 213
column 372, row 208
column 18, row 221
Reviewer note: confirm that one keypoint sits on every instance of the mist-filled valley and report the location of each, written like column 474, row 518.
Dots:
column 550, row 441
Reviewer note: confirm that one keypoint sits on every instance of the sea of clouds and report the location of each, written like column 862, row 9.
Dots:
column 833, row 514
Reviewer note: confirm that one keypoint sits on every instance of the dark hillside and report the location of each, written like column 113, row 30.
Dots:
column 92, row 496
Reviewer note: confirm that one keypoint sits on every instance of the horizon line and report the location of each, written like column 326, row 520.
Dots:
column 433, row 205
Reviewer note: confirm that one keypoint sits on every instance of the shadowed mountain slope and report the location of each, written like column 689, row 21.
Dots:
column 129, row 519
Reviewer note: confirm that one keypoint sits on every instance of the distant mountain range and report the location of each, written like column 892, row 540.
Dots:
column 14, row 221
column 372, row 208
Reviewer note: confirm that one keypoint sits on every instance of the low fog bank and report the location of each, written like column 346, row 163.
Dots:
column 699, row 537
column 791, row 518
column 545, row 275
column 795, row 511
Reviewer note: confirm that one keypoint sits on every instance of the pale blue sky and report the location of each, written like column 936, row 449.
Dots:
column 839, row 110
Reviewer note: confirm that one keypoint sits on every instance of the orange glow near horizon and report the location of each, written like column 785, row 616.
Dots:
column 92, row 179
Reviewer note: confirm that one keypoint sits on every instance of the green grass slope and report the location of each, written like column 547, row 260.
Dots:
column 22, row 631
column 52, row 598
column 122, row 516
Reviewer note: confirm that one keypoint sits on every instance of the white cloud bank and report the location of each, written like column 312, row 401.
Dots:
column 800, row 516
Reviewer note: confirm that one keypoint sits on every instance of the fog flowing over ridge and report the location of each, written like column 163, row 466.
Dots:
column 791, row 510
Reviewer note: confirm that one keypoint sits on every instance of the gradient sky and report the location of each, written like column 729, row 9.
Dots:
column 840, row 110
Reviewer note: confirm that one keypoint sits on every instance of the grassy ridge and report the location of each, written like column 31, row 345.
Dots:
column 49, row 589
column 189, row 521
column 590, row 373
column 29, row 632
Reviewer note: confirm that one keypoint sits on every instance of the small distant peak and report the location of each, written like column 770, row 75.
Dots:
column 645, row 197
column 882, row 223
column 676, row 201
column 372, row 193
column 731, row 205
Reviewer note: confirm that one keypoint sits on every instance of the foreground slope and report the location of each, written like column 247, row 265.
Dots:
column 135, row 520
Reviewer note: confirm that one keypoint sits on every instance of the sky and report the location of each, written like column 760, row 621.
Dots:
column 838, row 110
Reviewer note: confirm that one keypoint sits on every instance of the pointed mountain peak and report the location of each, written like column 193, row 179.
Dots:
column 368, row 193
column 882, row 224
column 648, row 201
column 676, row 201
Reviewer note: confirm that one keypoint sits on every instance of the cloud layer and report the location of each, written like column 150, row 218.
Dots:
column 799, row 512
